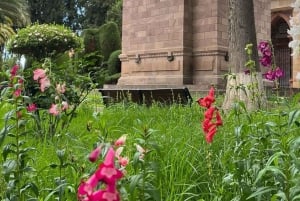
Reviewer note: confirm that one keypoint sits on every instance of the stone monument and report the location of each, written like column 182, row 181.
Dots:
column 180, row 42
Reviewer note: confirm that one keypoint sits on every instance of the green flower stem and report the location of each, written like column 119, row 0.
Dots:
column 18, row 173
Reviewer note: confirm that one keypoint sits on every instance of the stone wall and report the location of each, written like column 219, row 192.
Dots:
column 179, row 42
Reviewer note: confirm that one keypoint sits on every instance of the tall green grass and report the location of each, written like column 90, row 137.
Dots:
column 189, row 168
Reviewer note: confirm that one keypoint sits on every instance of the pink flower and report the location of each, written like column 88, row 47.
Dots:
column 278, row 72
column 17, row 93
column 118, row 152
column 141, row 151
column 39, row 73
column 121, row 141
column 123, row 161
column 61, row 88
column 44, row 83
column 31, row 107
column 94, row 155
column 65, row 105
column 53, row 110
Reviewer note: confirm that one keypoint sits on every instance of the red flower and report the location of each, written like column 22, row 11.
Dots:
column 212, row 117
column 208, row 100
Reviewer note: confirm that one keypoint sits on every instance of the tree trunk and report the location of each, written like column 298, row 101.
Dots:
column 242, row 87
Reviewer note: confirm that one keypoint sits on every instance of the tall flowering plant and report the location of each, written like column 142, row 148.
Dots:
column 16, row 169
column 267, row 60
column 102, row 184
column 212, row 117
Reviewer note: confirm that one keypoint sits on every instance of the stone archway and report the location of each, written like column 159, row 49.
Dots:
column 280, row 40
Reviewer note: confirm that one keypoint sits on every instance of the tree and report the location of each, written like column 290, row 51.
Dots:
column 13, row 14
column 241, row 86
column 76, row 14
column 95, row 12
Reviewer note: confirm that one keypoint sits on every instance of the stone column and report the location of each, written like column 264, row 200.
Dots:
column 156, row 42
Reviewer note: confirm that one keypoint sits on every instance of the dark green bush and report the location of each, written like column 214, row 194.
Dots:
column 91, row 40
column 110, row 39
column 114, row 63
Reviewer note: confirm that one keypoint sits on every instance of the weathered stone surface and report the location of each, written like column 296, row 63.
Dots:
column 180, row 42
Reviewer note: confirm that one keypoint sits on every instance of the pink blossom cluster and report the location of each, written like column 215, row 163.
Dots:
column 102, row 184
column 41, row 77
column 267, row 60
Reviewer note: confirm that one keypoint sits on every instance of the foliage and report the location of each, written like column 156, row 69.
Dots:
column 114, row 63
column 110, row 39
column 114, row 14
column 14, row 13
column 91, row 40
column 42, row 40
column 76, row 14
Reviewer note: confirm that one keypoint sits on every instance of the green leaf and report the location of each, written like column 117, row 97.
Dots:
column 134, row 181
column 260, row 191
column 293, row 117
column 9, row 166
column 31, row 186
column 7, row 149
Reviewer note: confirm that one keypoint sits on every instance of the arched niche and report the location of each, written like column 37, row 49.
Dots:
column 280, row 40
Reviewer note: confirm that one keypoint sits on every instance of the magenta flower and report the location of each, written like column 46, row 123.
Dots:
column 270, row 75
column 109, row 194
column 263, row 45
column 278, row 72
column 94, row 155
column 31, row 107
column 265, row 61
column 108, row 175
column 107, row 171
column 14, row 70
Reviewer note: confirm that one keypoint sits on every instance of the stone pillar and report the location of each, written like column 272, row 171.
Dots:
column 156, row 42
column 179, row 42
column 210, row 42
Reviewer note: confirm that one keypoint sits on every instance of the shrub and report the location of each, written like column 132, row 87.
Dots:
column 91, row 40
column 110, row 39
column 114, row 63
column 41, row 40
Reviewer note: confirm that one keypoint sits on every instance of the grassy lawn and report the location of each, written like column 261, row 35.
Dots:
column 253, row 155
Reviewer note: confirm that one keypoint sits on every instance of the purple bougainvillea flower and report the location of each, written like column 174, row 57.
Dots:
column 278, row 72
column 265, row 61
